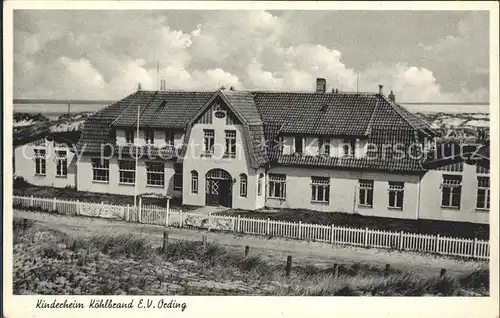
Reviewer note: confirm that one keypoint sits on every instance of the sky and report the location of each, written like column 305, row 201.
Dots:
column 422, row 56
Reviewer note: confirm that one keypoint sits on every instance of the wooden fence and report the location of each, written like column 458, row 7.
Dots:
column 150, row 214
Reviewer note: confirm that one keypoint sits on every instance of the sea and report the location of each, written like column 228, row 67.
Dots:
column 54, row 110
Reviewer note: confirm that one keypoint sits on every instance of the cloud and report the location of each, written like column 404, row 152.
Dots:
column 104, row 55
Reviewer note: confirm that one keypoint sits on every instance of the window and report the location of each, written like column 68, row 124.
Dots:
column 230, row 144
column 208, row 141
column 61, row 163
column 396, row 194
column 194, row 181
column 324, row 147
column 149, row 136
column 349, row 147
column 259, row 184
column 320, row 189
column 277, row 186
column 129, row 136
column 155, row 174
column 366, row 193
column 299, row 145
column 127, row 171
column 169, row 138
column 243, row 185
column 451, row 191
column 483, row 193
column 177, row 176
column 100, row 170
column 40, row 162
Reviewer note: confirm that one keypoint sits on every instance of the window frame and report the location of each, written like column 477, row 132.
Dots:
column 194, row 181
column 349, row 147
column 122, row 171
column 40, row 161
column 323, row 145
column 366, row 187
column 230, row 144
column 243, row 185
column 395, row 189
column 320, row 185
column 178, row 175
column 157, row 172
column 129, row 140
column 208, row 142
column 277, row 181
column 455, row 189
column 486, row 187
column 169, row 138
column 149, row 136
column 97, row 167
column 61, row 163
column 302, row 146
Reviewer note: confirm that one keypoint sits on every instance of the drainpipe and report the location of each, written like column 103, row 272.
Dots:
column 418, row 196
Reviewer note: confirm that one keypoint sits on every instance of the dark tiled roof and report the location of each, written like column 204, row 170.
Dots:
column 318, row 114
column 266, row 115
column 393, row 165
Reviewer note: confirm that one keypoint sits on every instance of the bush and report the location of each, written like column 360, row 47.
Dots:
column 20, row 183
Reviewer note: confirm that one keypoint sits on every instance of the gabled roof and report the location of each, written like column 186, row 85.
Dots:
column 265, row 116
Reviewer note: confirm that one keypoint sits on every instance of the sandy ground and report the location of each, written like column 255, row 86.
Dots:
column 272, row 250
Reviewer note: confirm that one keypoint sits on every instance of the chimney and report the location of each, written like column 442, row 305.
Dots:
column 139, row 86
column 380, row 89
column 163, row 84
column 321, row 85
column 392, row 96
column 231, row 88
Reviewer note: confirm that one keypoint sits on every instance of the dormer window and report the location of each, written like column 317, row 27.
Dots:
column 149, row 136
column 299, row 145
column 349, row 147
column 219, row 111
column 169, row 138
column 324, row 147
column 129, row 136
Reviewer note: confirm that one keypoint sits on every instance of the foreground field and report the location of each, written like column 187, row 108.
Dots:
column 47, row 261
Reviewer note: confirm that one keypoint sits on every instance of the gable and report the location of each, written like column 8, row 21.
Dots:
column 218, row 108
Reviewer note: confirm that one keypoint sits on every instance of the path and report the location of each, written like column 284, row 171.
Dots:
column 272, row 250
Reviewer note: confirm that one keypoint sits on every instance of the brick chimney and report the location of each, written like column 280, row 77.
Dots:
column 139, row 86
column 321, row 85
column 392, row 96
column 381, row 89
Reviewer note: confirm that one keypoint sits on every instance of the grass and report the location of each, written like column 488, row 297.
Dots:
column 51, row 262
column 433, row 227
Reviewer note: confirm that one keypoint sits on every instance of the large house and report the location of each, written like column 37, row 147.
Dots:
column 326, row 151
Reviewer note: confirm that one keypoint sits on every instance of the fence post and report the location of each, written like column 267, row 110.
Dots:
column 288, row 265
column 400, row 240
column 209, row 220
column 437, row 245
column 474, row 253
column 247, row 250
column 167, row 216
column 238, row 223
column 332, row 234
column 366, row 237
column 165, row 242
column 298, row 234
column 181, row 221
column 77, row 207
column 54, row 204
column 32, row 201
column 127, row 213
column 267, row 226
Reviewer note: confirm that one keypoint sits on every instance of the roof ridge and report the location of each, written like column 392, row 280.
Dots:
column 398, row 110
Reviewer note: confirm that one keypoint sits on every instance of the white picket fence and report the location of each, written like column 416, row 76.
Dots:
column 150, row 214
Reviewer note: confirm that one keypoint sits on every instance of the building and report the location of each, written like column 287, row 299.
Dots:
column 327, row 151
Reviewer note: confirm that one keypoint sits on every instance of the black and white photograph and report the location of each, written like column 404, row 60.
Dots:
column 253, row 151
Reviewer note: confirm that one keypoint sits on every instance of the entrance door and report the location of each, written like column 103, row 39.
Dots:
column 218, row 188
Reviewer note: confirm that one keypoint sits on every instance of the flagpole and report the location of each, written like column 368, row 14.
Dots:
column 136, row 145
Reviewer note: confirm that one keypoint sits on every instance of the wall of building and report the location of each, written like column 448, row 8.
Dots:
column 25, row 165
column 344, row 192
column 311, row 146
column 159, row 137
column 194, row 160
column 85, row 180
column 431, row 195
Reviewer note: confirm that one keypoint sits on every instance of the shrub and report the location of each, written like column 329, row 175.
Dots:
column 20, row 183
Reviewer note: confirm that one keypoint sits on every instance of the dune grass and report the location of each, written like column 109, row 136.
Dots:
column 97, row 264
